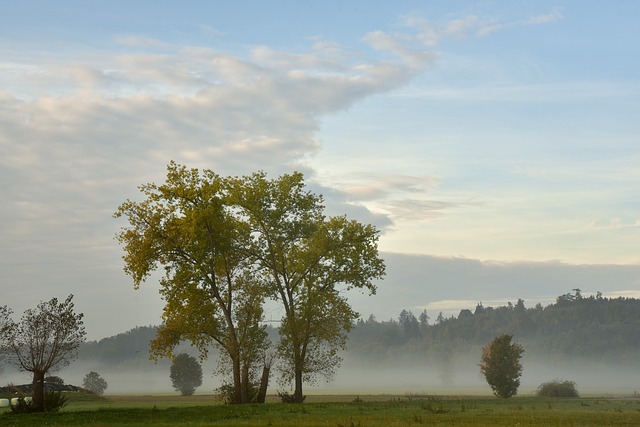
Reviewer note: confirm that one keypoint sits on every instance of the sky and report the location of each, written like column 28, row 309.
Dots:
column 494, row 144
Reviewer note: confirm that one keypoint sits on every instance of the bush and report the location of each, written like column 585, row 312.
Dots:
column 557, row 388
column 23, row 407
column 53, row 402
column 227, row 392
column 288, row 398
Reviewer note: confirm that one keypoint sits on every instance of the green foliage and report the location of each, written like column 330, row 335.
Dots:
column 501, row 366
column 95, row 383
column 54, row 401
column 185, row 374
column 557, row 388
column 308, row 260
column 188, row 226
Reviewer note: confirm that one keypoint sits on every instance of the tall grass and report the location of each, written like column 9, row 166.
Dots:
column 364, row 411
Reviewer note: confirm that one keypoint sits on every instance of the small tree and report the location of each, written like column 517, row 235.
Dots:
column 501, row 366
column 94, row 383
column 45, row 339
column 557, row 388
column 186, row 374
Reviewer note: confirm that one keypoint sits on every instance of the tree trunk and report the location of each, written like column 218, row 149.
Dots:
column 264, row 383
column 237, row 382
column 297, row 393
column 245, row 398
column 38, row 391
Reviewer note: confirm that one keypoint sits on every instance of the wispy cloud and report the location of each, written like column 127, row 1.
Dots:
column 552, row 16
column 568, row 91
column 87, row 126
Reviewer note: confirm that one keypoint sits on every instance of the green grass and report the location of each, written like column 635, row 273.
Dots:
column 338, row 411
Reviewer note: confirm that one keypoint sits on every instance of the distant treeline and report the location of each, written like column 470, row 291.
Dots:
column 119, row 349
column 594, row 328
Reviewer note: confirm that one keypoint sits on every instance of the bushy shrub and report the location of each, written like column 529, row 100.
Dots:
column 557, row 388
column 53, row 402
column 285, row 397
column 227, row 392
column 22, row 407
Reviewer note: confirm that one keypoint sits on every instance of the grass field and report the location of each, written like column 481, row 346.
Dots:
column 338, row 411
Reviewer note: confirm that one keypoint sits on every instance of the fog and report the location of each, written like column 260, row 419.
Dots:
column 461, row 375
column 138, row 376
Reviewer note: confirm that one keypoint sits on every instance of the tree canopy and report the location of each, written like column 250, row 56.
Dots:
column 228, row 244
column 307, row 260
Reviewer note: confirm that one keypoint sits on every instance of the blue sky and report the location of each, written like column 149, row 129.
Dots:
column 491, row 142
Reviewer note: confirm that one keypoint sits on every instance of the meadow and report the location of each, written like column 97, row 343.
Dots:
column 338, row 411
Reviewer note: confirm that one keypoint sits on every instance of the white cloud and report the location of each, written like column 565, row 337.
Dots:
column 80, row 130
column 553, row 16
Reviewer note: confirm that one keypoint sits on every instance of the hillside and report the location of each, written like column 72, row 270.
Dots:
column 593, row 328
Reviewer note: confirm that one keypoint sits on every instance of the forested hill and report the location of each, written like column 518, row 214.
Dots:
column 121, row 348
column 594, row 328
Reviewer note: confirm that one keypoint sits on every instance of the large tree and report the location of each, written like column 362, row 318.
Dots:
column 46, row 339
column 226, row 244
column 188, row 227
column 501, row 365
column 308, row 261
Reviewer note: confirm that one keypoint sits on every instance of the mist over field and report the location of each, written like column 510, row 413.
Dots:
column 460, row 376
column 463, row 377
